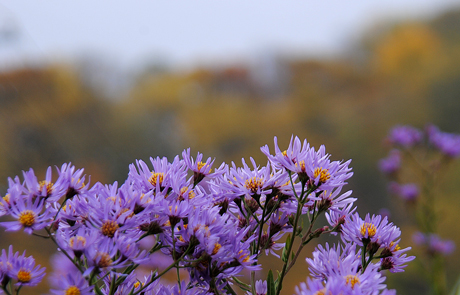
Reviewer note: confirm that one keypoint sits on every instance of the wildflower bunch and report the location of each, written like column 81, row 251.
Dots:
column 212, row 222
column 415, row 167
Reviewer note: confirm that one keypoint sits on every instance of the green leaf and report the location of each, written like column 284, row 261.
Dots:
column 271, row 289
column 284, row 255
column 241, row 284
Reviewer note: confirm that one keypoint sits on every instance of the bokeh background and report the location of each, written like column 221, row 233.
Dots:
column 103, row 84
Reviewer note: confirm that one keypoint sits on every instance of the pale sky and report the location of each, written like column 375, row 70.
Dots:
column 191, row 31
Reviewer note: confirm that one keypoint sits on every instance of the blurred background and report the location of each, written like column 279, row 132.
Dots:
column 101, row 84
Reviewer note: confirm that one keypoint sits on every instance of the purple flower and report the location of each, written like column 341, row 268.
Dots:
column 392, row 163
column 333, row 200
column 407, row 192
column 405, row 136
column 28, row 212
column 261, row 288
column 446, row 143
column 24, row 271
column 73, row 283
column 337, row 218
column 200, row 169
column 73, row 180
column 310, row 165
column 434, row 244
column 370, row 230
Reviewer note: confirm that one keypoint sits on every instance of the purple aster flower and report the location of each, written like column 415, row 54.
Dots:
column 200, row 169
column 25, row 272
column 446, row 143
column 6, row 264
column 5, row 205
column 290, row 158
column 337, row 285
column 344, row 263
column 261, row 288
column 73, row 283
column 393, row 258
column 395, row 263
column 408, row 192
column 336, row 219
column 160, row 178
column 405, row 136
column 29, row 212
column 77, row 241
column 444, row 247
column 102, row 257
column 73, row 180
column 309, row 165
column 434, row 244
column 333, row 200
column 392, row 163
column 372, row 230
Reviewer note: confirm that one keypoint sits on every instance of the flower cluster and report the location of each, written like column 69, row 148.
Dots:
column 415, row 164
column 212, row 222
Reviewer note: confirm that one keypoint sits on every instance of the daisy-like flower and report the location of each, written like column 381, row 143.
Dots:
column 73, row 180
column 77, row 241
column 248, row 182
column 336, row 218
column 311, row 166
column 160, row 178
column 199, row 168
column 29, row 212
column 6, row 264
column 373, row 230
column 25, row 272
column 290, row 159
column 344, row 263
column 334, row 201
column 72, row 284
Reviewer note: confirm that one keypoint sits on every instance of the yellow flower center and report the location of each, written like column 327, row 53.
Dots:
column 184, row 192
column 352, row 280
column 27, row 218
column 302, row 165
column 79, row 240
column 72, row 290
column 201, row 165
column 217, row 246
column 24, row 276
column 253, row 184
column 109, row 228
column 105, row 260
column 370, row 228
column 246, row 257
column 156, row 178
column 322, row 173
column 137, row 284
column 48, row 185
column 320, row 292
column 397, row 248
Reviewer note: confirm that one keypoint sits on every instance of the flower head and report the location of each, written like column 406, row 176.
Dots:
column 405, row 136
